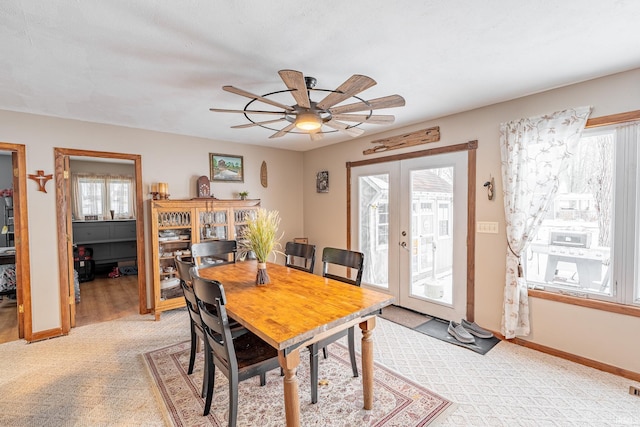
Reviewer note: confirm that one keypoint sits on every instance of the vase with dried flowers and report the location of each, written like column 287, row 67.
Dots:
column 260, row 236
column 7, row 195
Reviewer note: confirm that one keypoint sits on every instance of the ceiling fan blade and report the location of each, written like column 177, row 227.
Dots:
column 248, row 125
column 354, row 85
column 295, row 81
column 254, row 96
column 221, row 110
column 372, row 104
column 316, row 136
column 283, row 131
column 344, row 128
column 365, row 118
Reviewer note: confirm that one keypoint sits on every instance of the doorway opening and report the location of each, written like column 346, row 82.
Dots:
column 95, row 241
column 14, row 256
column 413, row 216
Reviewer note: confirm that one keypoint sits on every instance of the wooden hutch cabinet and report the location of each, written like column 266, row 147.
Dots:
column 175, row 225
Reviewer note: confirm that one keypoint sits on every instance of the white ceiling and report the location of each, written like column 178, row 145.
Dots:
column 160, row 64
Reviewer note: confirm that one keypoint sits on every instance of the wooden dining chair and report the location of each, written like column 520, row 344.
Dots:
column 342, row 257
column 350, row 260
column 300, row 256
column 197, row 333
column 214, row 252
column 238, row 359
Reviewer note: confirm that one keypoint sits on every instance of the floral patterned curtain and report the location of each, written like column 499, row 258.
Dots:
column 533, row 151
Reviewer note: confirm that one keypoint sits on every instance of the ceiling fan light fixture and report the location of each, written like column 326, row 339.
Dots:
column 313, row 118
column 308, row 121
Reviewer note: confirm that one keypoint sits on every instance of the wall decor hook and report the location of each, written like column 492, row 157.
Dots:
column 490, row 185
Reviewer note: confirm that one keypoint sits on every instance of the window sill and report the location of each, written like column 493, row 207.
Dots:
column 627, row 310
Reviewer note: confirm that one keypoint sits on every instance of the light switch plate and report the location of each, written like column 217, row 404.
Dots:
column 487, row 227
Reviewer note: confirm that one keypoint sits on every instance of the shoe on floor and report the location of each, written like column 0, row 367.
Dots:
column 461, row 334
column 476, row 330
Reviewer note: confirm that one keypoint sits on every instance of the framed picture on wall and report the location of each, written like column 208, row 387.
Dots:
column 322, row 182
column 226, row 167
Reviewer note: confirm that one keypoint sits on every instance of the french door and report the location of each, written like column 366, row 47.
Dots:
column 410, row 221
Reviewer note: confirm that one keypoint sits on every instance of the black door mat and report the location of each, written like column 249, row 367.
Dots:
column 437, row 328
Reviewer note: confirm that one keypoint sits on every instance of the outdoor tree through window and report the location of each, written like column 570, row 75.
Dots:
column 575, row 250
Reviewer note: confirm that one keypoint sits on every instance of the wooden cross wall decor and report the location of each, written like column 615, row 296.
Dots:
column 41, row 179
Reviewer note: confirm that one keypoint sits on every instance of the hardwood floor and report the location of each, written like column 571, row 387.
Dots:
column 8, row 320
column 101, row 299
column 105, row 299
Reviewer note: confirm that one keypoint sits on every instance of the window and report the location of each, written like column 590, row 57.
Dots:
column 588, row 245
column 383, row 224
column 443, row 219
column 103, row 196
column 422, row 232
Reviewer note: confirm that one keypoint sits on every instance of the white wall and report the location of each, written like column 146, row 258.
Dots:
column 177, row 160
column 102, row 167
column 572, row 329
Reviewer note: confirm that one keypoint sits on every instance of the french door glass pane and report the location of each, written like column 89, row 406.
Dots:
column 572, row 249
column 374, row 228
column 431, row 234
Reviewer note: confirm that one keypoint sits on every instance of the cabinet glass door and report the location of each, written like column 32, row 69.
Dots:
column 213, row 225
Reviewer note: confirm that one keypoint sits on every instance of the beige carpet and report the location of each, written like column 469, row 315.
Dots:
column 96, row 376
column 397, row 400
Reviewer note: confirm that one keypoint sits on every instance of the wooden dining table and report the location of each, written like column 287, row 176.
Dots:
column 295, row 310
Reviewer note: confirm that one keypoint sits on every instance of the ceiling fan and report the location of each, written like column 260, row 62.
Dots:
column 314, row 117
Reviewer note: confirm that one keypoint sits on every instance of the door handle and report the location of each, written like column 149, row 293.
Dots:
column 404, row 245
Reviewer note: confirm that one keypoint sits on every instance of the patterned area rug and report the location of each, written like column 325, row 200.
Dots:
column 398, row 401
